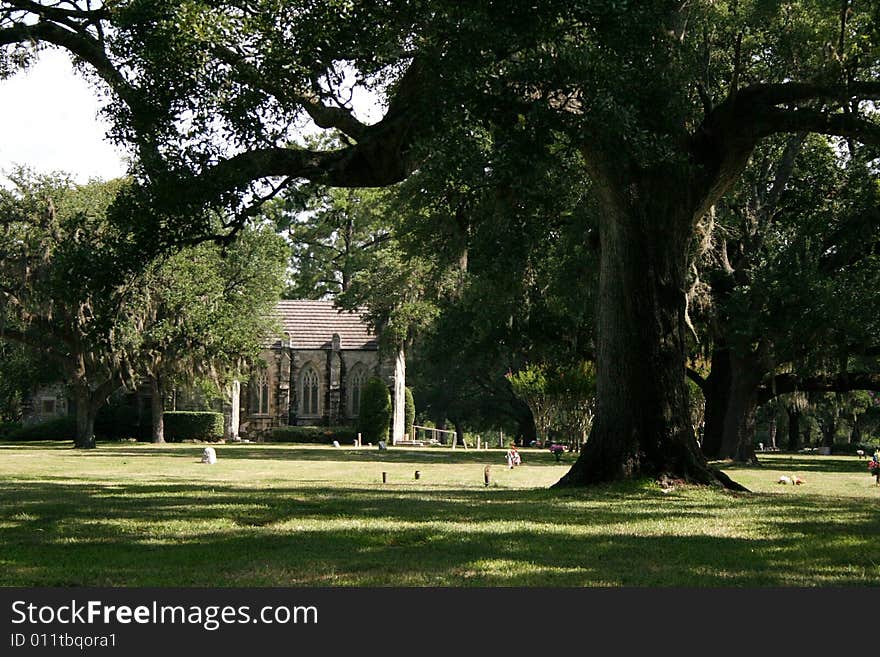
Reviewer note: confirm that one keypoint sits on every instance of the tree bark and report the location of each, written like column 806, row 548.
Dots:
column 829, row 430
column 526, row 430
column 716, row 392
column 771, row 432
column 642, row 426
column 85, row 417
column 738, row 439
column 794, row 430
column 157, row 409
column 855, row 435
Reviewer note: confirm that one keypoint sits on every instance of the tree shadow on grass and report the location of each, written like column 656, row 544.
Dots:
column 177, row 535
column 803, row 463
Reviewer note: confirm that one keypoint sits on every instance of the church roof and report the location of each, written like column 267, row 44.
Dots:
column 313, row 323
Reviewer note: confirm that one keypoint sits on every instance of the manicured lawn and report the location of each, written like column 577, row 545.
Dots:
column 264, row 515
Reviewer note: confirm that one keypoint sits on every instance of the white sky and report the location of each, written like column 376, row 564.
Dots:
column 49, row 122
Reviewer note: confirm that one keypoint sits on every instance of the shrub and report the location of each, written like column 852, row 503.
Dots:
column 8, row 428
column 193, row 425
column 311, row 434
column 59, row 428
column 375, row 412
column 409, row 411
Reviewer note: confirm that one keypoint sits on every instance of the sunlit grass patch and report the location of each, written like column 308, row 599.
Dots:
column 278, row 515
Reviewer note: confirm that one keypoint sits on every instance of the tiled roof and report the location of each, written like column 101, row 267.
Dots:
column 313, row 323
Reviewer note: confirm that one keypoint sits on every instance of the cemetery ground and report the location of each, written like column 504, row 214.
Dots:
column 130, row 514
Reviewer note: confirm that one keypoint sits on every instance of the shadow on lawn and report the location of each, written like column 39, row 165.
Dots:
column 177, row 535
column 802, row 463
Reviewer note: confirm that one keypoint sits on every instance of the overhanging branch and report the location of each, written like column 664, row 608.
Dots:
column 844, row 382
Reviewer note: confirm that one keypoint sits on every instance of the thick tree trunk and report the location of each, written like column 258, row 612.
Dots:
column 771, row 432
column 716, row 393
column 855, row 435
column 85, row 417
column 794, row 430
column 459, row 432
column 829, row 430
column 157, row 409
column 642, row 426
column 738, row 439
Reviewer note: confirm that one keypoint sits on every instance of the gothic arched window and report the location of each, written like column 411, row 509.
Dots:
column 309, row 392
column 356, row 381
column 261, row 395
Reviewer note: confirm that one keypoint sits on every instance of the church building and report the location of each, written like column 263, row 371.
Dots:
column 314, row 372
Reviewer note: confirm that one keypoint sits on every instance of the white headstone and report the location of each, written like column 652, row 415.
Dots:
column 336, row 443
column 382, row 445
column 209, row 456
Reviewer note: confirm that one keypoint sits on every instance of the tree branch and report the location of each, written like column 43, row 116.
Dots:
column 324, row 116
column 697, row 378
column 844, row 382
column 846, row 125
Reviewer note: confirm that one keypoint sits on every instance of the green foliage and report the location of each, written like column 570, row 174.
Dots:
column 374, row 420
column 210, row 308
column 60, row 428
column 312, row 434
column 22, row 371
column 332, row 233
column 409, row 413
column 193, row 425
column 561, row 398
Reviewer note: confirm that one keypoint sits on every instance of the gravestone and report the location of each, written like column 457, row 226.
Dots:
column 382, row 446
column 209, row 456
column 336, row 443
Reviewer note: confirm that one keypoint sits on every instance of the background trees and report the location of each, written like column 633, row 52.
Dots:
column 788, row 278
column 209, row 311
column 72, row 291
column 65, row 291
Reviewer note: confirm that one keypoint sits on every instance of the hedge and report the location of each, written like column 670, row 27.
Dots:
column 409, row 411
column 312, row 434
column 8, row 428
column 193, row 425
column 59, row 428
column 374, row 420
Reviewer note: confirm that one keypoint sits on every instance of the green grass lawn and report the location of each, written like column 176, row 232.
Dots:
column 272, row 515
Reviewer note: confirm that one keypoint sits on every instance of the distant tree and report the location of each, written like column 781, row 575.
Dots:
column 63, row 288
column 332, row 233
column 209, row 309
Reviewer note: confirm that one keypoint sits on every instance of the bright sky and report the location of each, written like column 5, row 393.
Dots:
column 49, row 122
